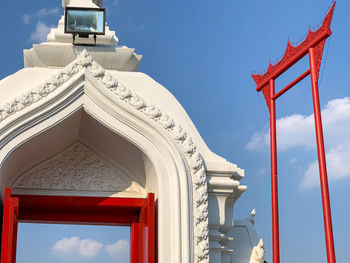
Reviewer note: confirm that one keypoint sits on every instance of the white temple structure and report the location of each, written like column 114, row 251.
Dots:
column 80, row 120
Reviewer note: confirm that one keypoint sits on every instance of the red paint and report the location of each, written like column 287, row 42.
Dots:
column 312, row 45
column 135, row 243
column 9, row 234
column 294, row 54
column 134, row 212
column 274, row 183
column 327, row 218
column 147, row 231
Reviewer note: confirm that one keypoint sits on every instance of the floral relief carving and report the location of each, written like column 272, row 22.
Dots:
column 194, row 159
column 77, row 168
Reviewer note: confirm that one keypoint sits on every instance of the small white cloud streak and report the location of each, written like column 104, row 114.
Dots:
column 119, row 250
column 262, row 171
column 89, row 248
column 258, row 141
column 28, row 17
column 48, row 11
column 293, row 160
column 115, row 2
column 338, row 167
column 298, row 130
column 66, row 246
column 74, row 246
column 40, row 33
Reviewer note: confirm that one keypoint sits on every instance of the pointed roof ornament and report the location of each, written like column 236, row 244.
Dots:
column 294, row 54
column 82, row 3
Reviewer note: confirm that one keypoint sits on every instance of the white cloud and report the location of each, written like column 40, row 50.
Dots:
column 258, row 141
column 296, row 126
column 298, row 130
column 293, row 160
column 48, row 11
column 40, row 33
column 262, row 171
column 74, row 246
column 66, row 245
column 338, row 167
column 89, row 248
column 115, row 2
column 27, row 17
column 119, row 250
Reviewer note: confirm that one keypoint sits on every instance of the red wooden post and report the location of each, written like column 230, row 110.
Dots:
column 10, row 223
column 327, row 218
column 147, row 231
column 135, row 243
column 274, row 183
column 14, row 206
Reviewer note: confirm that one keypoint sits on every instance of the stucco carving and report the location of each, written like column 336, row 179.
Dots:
column 194, row 159
column 258, row 253
column 77, row 168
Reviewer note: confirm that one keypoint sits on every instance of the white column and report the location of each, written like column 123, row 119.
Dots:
column 223, row 192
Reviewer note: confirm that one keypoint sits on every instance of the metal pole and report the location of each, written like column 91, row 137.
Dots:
column 327, row 217
column 274, row 185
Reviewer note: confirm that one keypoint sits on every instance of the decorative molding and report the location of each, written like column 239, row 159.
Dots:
column 194, row 159
column 77, row 168
column 41, row 91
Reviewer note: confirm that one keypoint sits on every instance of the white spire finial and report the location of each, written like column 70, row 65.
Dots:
column 82, row 3
column 258, row 253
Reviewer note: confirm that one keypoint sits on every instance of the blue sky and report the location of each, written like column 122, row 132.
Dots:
column 71, row 243
column 204, row 53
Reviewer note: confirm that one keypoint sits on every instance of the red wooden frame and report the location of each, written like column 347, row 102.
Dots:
column 135, row 212
column 312, row 45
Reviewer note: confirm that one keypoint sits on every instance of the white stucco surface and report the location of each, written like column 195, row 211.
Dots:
column 22, row 81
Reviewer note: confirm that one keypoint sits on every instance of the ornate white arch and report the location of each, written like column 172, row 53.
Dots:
column 85, row 66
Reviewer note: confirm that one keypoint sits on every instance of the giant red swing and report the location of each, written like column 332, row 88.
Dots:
column 312, row 45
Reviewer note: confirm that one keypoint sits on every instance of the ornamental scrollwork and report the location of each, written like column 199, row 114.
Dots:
column 77, row 168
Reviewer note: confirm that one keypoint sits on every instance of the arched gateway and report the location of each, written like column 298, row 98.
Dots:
column 86, row 138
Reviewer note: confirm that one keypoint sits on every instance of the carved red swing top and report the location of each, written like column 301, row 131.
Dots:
column 315, row 40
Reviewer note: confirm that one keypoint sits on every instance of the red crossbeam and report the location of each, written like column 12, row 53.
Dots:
column 292, row 84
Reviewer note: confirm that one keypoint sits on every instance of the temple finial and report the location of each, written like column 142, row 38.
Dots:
column 87, row 3
column 328, row 19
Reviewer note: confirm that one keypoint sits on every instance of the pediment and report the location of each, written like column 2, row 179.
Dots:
column 78, row 169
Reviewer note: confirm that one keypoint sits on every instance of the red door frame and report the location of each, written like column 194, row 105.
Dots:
column 138, row 213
